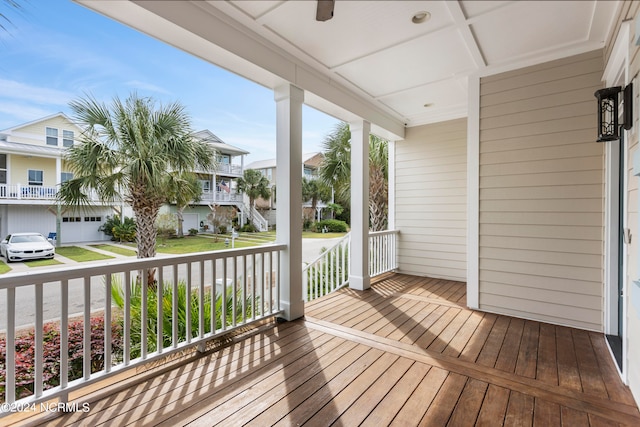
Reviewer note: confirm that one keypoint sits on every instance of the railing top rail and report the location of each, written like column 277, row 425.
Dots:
column 14, row 280
column 383, row 232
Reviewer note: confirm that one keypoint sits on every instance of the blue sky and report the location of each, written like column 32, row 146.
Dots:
column 56, row 51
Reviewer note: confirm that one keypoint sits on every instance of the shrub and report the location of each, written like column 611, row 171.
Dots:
column 25, row 353
column 193, row 231
column 117, row 293
column 249, row 228
column 222, row 229
column 125, row 232
column 331, row 226
column 112, row 222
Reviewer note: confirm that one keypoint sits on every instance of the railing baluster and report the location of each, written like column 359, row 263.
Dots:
column 86, row 344
column 253, row 286
column 38, row 365
column 223, row 311
column 64, row 333
column 174, row 307
column 144, row 291
column 201, row 301
column 271, row 282
column 278, row 281
column 127, row 317
column 213, row 295
column 159, row 311
column 187, row 308
column 10, row 389
column 245, row 278
column 234, row 293
column 107, row 323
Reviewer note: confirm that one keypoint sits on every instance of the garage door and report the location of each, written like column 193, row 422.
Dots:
column 190, row 221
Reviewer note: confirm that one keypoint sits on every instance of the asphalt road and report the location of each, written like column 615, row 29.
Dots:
column 25, row 296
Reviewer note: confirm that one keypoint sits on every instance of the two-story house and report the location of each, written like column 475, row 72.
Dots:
column 218, row 187
column 310, row 164
column 31, row 170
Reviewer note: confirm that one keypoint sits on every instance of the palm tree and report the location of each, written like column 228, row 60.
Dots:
column 183, row 189
column 3, row 18
column 315, row 191
column 254, row 185
column 336, row 171
column 128, row 151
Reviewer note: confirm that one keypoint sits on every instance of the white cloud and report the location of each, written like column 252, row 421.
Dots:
column 29, row 93
column 13, row 114
column 137, row 84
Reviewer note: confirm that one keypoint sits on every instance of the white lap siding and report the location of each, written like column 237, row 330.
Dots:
column 542, row 193
column 431, row 200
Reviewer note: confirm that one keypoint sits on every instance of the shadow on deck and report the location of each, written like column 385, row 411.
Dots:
column 407, row 352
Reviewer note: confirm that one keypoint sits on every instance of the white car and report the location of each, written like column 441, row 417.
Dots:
column 23, row 246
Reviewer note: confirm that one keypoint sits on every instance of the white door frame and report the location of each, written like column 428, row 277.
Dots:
column 616, row 74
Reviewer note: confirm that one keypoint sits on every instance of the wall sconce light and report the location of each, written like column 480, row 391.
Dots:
column 608, row 126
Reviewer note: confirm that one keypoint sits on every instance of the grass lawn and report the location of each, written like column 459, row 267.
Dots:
column 115, row 249
column 189, row 244
column 80, row 254
column 4, row 268
column 41, row 262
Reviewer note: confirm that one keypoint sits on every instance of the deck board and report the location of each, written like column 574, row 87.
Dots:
column 406, row 352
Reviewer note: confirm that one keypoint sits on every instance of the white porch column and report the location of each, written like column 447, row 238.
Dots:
column 289, row 213
column 392, row 186
column 359, row 254
column 58, row 170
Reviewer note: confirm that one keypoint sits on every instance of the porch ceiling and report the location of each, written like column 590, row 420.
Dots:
column 370, row 60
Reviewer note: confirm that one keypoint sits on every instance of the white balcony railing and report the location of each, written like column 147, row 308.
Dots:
column 225, row 290
column 330, row 271
column 229, row 169
column 221, row 197
column 31, row 192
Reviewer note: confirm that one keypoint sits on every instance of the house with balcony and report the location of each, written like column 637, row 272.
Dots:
column 515, row 295
column 31, row 170
column 310, row 164
column 219, row 188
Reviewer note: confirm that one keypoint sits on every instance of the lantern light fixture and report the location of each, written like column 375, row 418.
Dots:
column 608, row 102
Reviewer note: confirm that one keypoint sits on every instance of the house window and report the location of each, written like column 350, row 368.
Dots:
column 71, row 219
column 225, row 159
column 206, row 186
column 267, row 173
column 309, row 173
column 52, row 136
column 35, row 177
column 65, row 176
column 3, row 168
column 92, row 219
column 67, row 138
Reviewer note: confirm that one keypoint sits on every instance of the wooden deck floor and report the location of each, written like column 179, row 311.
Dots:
column 407, row 352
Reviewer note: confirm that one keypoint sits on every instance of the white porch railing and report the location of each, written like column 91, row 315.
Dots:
column 113, row 329
column 382, row 252
column 330, row 271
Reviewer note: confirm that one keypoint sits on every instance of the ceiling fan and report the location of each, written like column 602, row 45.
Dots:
column 324, row 11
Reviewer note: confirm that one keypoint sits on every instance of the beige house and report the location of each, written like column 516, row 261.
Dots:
column 497, row 178
column 310, row 164
column 31, row 170
column 496, row 181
